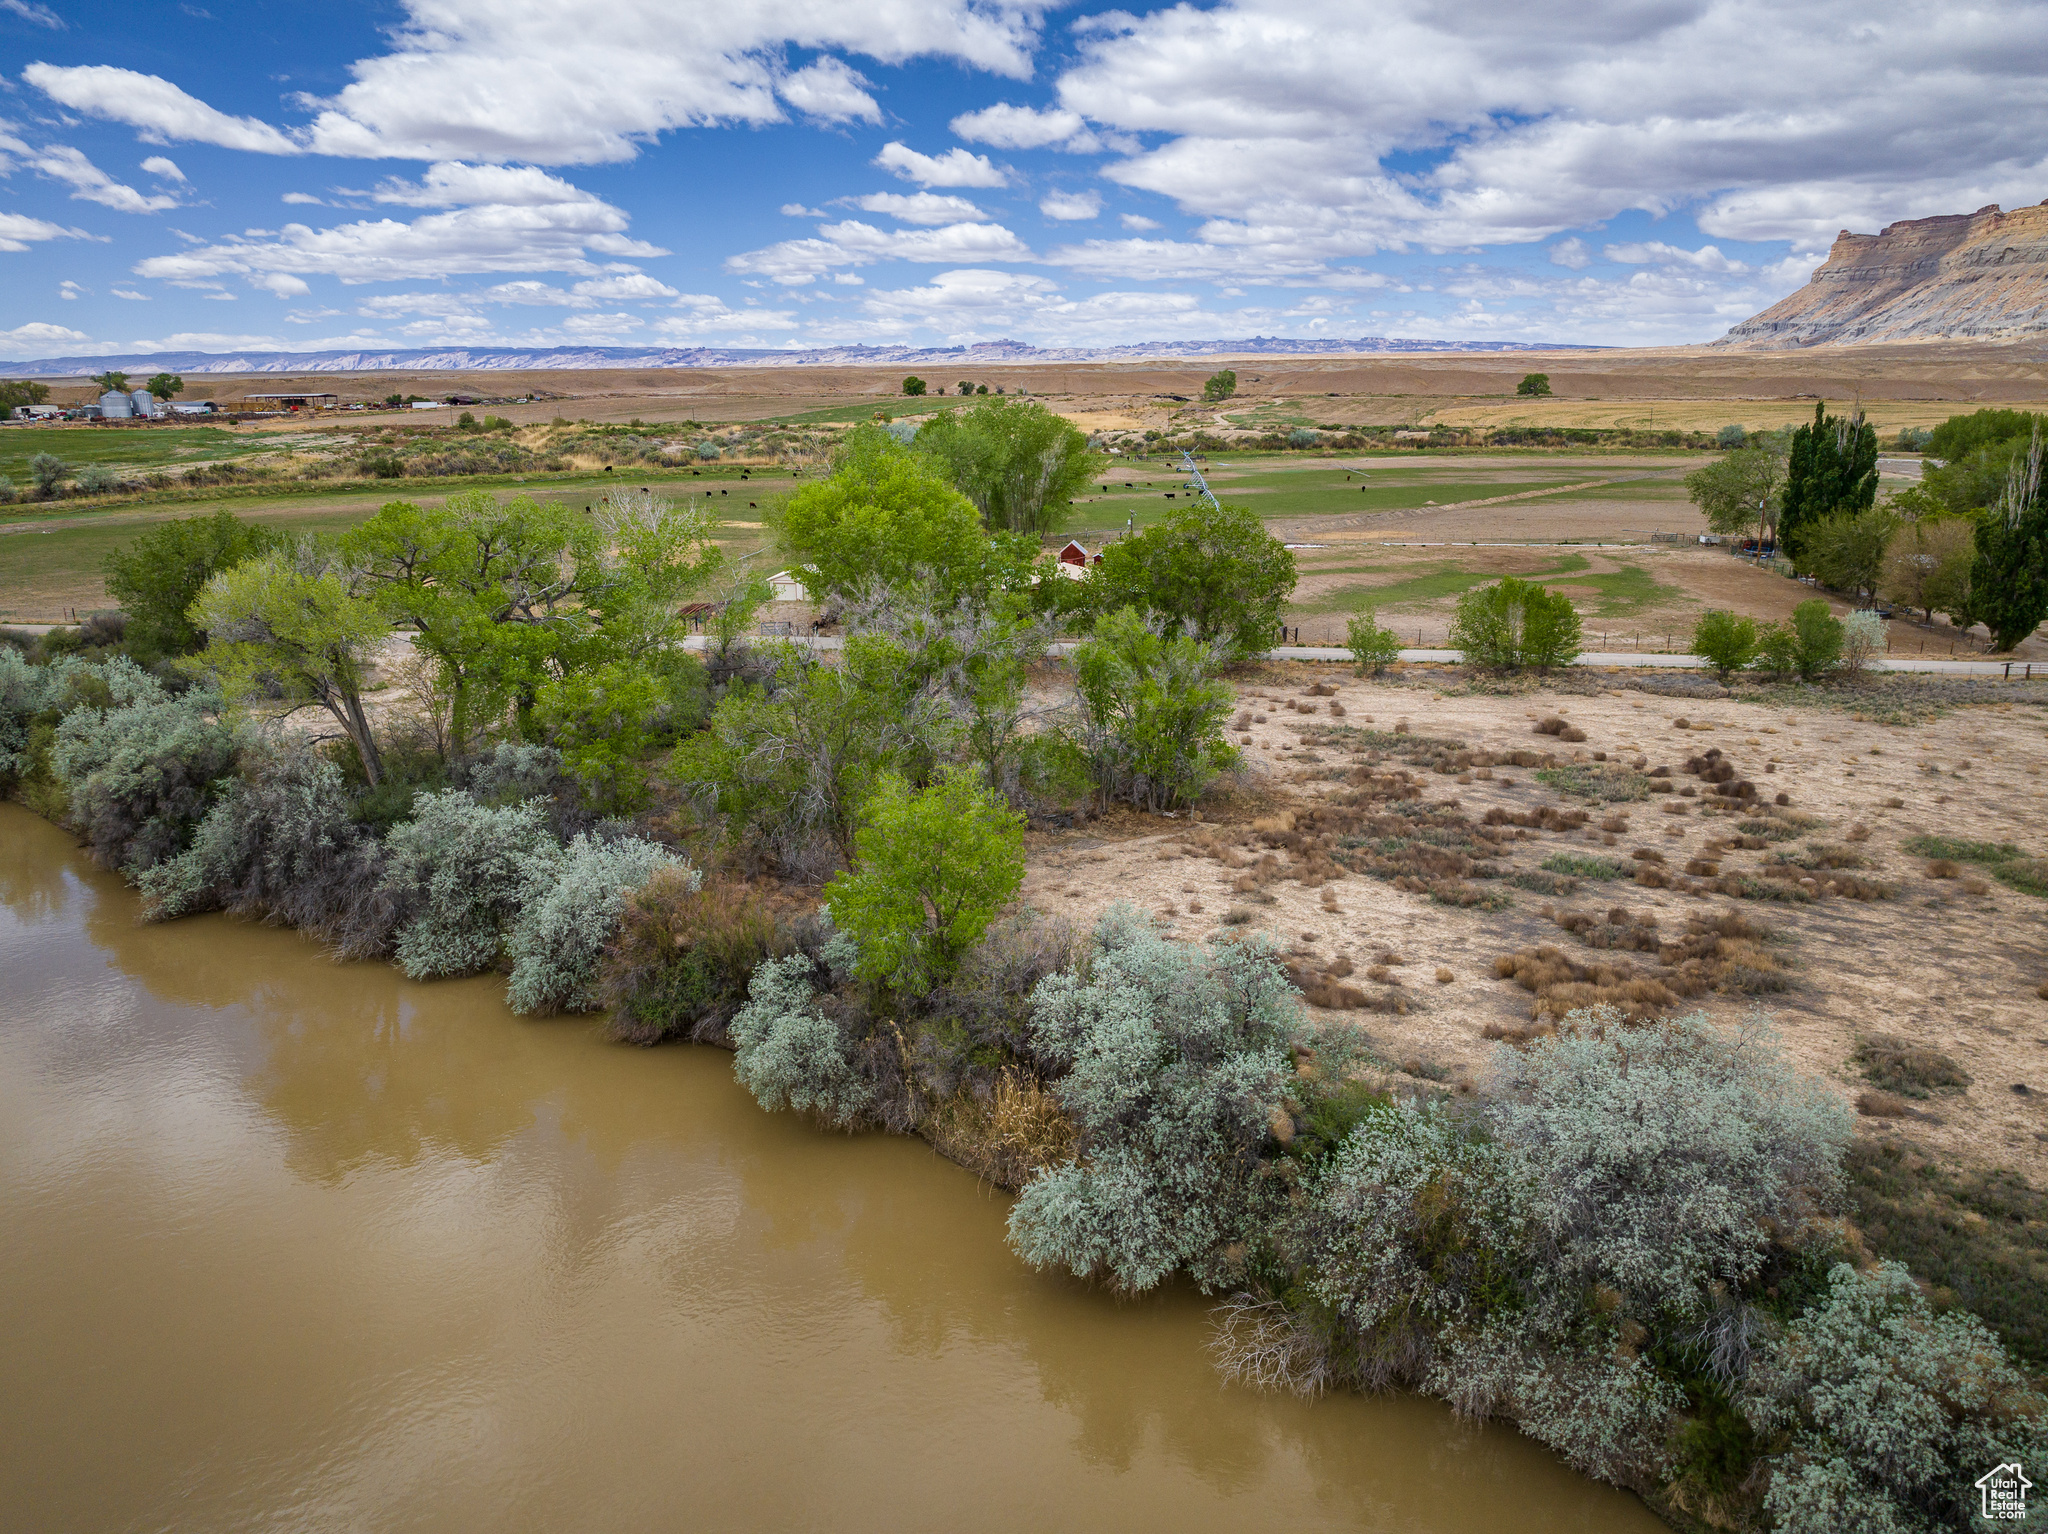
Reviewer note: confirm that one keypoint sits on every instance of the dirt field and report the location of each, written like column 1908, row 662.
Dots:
column 1951, row 964
column 1904, row 384
column 1371, row 531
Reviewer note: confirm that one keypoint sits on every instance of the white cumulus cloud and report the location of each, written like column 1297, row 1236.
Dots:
column 979, row 304
column 208, row 341
column 956, row 167
column 704, row 315
column 853, row 243
column 514, row 219
column 60, row 162
column 918, row 207
column 1312, row 129
column 1707, row 258
column 18, row 231
column 1013, row 127
column 1571, row 253
column 163, row 169
column 536, row 80
column 1071, row 206
column 452, row 184
column 41, row 340
column 636, row 287
column 829, row 91
column 161, row 110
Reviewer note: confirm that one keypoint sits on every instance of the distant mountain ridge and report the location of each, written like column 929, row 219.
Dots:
column 1979, row 276
column 507, row 359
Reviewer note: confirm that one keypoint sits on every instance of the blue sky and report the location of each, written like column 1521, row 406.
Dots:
column 792, row 173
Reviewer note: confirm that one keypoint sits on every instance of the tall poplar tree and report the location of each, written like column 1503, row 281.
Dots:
column 2010, row 577
column 1833, row 469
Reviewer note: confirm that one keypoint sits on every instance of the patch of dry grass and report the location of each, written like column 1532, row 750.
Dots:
column 1007, row 1132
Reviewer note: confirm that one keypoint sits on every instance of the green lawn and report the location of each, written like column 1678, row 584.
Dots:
column 1287, row 491
column 137, row 447
column 47, row 567
column 1648, row 488
column 1447, row 578
column 1627, row 592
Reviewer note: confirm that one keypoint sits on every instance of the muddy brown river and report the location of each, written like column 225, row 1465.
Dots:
column 294, row 1245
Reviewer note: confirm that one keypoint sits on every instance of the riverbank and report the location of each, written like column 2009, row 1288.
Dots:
column 1247, row 1071
column 311, row 1245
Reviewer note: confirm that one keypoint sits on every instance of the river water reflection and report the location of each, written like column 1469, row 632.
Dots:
column 298, row 1245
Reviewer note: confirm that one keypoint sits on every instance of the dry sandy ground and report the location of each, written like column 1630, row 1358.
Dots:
column 1952, row 964
column 1953, row 967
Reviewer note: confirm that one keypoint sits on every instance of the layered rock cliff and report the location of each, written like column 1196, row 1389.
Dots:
column 1966, row 276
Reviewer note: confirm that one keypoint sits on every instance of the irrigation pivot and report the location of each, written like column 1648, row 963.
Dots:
column 1195, row 481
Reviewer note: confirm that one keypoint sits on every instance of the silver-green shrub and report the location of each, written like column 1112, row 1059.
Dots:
column 516, row 769
column 789, row 1055
column 1413, row 1227
column 1174, row 1060
column 141, row 772
column 1658, row 1159
column 281, row 842
column 1583, row 1390
column 1604, row 1212
column 1863, row 640
column 1892, row 1411
column 25, row 691
column 459, row 871
column 569, row 912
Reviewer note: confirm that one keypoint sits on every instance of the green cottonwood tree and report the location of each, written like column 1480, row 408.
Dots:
column 1847, row 550
column 795, row 764
column 1738, row 491
column 888, row 515
column 1019, row 463
column 1928, row 567
column 288, row 620
column 1218, row 387
column 602, row 721
column 166, row 385
column 1516, row 623
column 492, row 591
column 157, row 576
column 1152, row 711
column 1832, row 469
column 22, row 391
column 931, row 869
column 1214, row 568
column 506, row 597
